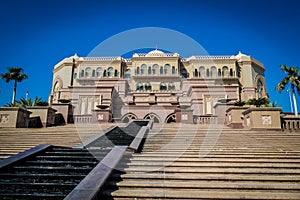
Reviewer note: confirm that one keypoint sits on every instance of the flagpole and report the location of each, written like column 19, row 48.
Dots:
column 288, row 90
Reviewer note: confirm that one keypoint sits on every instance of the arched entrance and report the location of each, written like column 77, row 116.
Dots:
column 127, row 117
column 171, row 118
column 153, row 116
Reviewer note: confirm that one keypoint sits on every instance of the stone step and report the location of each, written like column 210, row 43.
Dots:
column 177, row 193
column 213, row 176
column 214, row 170
column 219, row 165
column 203, row 184
column 180, row 159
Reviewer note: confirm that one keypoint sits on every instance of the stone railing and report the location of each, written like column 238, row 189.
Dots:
column 290, row 123
column 205, row 119
column 82, row 118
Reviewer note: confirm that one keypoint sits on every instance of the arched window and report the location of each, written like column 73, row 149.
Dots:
column 138, row 71
column 149, row 70
column 195, row 73
column 167, row 69
column 99, row 72
column 104, row 73
column 171, row 86
column 224, row 71
column 173, row 70
column 82, row 73
column 155, row 69
column 183, row 73
column 163, row 86
column 139, row 86
column 231, row 72
column 213, row 72
column 127, row 73
column 259, row 88
column 148, row 87
column 87, row 72
column 116, row 73
column 143, row 69
column 201, row 71
column 110, row 71
column 219, row 72
column 75, row 76
column 161, row 71
column 207, row 72
column 94, row 73
column 152, row 116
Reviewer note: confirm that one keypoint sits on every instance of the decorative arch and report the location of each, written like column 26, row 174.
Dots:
column 153, row 116
column 127, row 117
column 213, row 71
column 88, row 72
column 201, row 71
column 155, row 69
column 224, row 71
column 57, row 85
column 110, row 72
column 143, row 69
column 99, row 72
column 167, row 68
column 170, row 118
column 260, row 86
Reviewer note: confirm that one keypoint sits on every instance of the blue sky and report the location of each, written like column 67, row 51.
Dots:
column 35, row 35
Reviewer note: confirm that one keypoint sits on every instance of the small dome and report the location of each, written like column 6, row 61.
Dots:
column 155, row 53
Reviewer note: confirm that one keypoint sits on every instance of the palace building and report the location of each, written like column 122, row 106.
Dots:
column 154, row 85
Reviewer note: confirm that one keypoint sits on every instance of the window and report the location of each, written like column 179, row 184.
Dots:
column 104, row 73
column 138, row 71
column 201, row 71
column 128, row 73
column 213, row 72
column 143, row 69
column 219, row 72
column 110, row 71
column 207, row 72
column 231, row 72
column 93, row 73
column 82, row 73
column 139, row 86
column 173, row 70
column 167, row 68
column 163, row 86
column 171, row 86
column 116, row 73
column 155, row 69
column 161, row 71
column 75, row 76
column 183, row 73
column 87, row 72
column 99, row 72
column 196, row 73
column 149, row 70
column 148, row 87
column 225, row 71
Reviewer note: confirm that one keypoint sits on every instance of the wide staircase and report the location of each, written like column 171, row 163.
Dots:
column 211, row 163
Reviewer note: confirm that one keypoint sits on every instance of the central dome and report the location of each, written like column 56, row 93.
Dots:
column 155, row 53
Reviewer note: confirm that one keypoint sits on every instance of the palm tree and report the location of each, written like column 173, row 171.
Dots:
column 24, row 103
column 14, row 74
column 292, row 78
